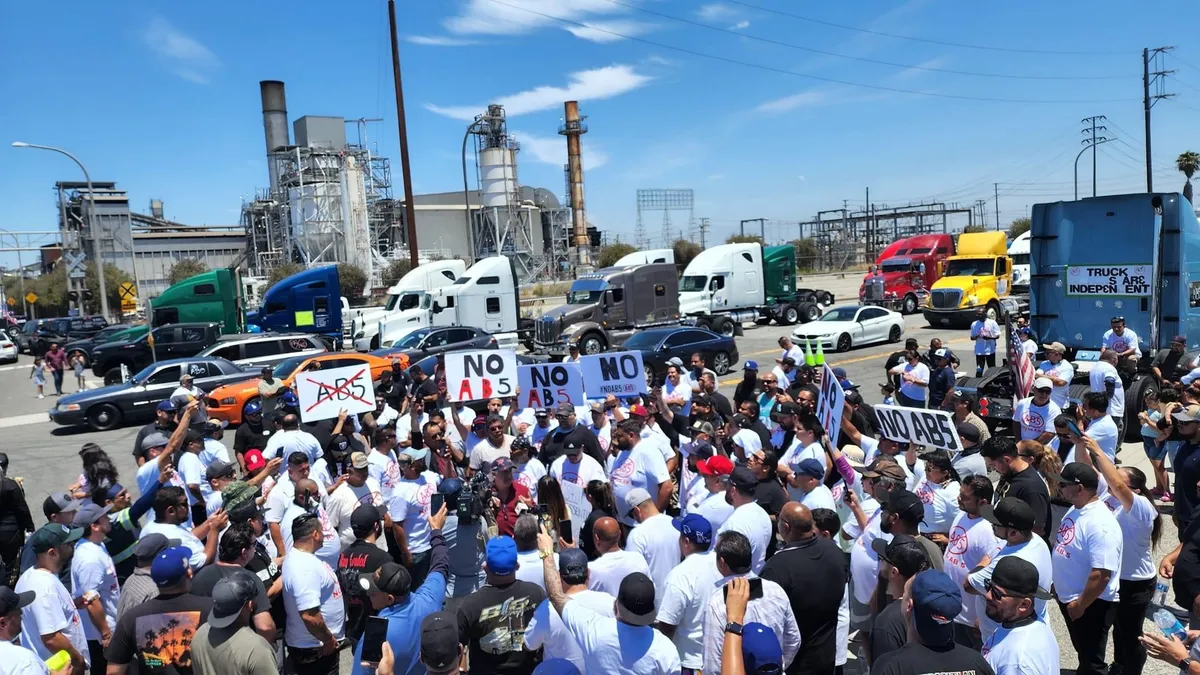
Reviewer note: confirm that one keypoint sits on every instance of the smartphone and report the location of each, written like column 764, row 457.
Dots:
column 755, row 589
column 1074, row 428
column 436, row 500
column 564, row 531
column 373, row 638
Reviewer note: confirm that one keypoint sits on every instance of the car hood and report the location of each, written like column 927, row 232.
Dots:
column 93, row 395
column 239, row 389
column 825, row 327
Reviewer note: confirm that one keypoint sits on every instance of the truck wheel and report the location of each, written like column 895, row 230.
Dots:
column 723, row 325
column 910, row 304
column 844, row 343
column 789, row 315
column 720, row 363
column 894, row 334
column 1135, row 397
column 826, row 299
column 809, row 311
column 104, row 417
column 591, row 344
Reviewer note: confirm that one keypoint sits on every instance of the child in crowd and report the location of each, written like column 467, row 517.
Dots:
column 77, row 362
column 38, row 374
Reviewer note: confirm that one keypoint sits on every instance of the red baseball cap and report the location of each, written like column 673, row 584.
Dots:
column 638, row 410
column 717, row 465
column 254, row 460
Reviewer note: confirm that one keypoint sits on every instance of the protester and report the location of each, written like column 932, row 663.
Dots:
column 1034, row 414
column 94, row 582
column 546, row 630
column 1104, row 378
column 15, row 521
column 963, row 407
column 612, row 564
column 313, row 602
column 914, row 381
column 1012, row 523
column 900, row 560
column 748, row 517
column 1022, row 644
column 971, row 543
column 51, row 623
column 599, row 495
column 984, row 333
column 492, row 621
column 170, row 520
column 233, row 553
column 140, row 587
column 226, row 644
column 654, row 539
column 1059, row 371
column 357, row 490
column 633, row 465
column 1018, row 478
column 938, row 486
column 687, row 590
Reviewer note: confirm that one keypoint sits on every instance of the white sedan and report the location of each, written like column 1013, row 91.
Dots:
column 842, row 328
column 8, row 348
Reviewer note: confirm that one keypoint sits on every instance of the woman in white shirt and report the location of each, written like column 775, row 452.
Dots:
column 914, row 380
column 937, row 487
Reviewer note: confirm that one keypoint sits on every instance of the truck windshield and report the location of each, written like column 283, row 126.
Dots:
column 1020, row 258
column 692, row 283
column 406, row 301
column 970, row 267
column 586, row 291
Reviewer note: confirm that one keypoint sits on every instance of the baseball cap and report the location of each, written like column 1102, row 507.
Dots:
column 969, row 433
column 598, row 407
column 166, row 406
column 194, row 434
column 809, row 467
column 675, row 361
column 155, row 440
column 88, row 514
column 545, row 412
column 60, row 502
column 150, row 545
column 502, row 464
column 942, row 353
column 51, row 535
column 414, row 455
column 840, row 373
column 903, row 552
column 847, row 385
column 788, row 408
column 185, row 377
column 936, row 600
column 1043, row 383
column 252, row 408
column 717, row 465
column 750, row 365
column 1077, row 473
column 391, row 578
column 743, row 421
column 701, row 450
column 255, row 460
column 572, row 562
column 762, row 652
column 556, row 667
column 1181, row 339
column 1009, row 512
column 571, row 446
column 11, row 600
column 358, row 460
column 238, row 493
column 695, row 528
column 229, row 596
column 636, row 497
column 638, row 410
column 702, row 427
column 439, row 641
column 212, row 424
column 1055, row 347
column 170, row 566
column 564, row 408
column 905, row 504
column 635, row 599
column 501, row 556
column 743, row 479
column 702, row 399
column 450, row 486
column 289, row 398
column 218, row 469
column 1018, row 577
column 1188, row 414
column 573, row 346
column 884, row 469
column 364, row 518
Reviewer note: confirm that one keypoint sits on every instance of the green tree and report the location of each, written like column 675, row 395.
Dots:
column 974, row 228
column 113, row 278
column 684, row 252
column 744, row 239
column 609, row 255
column 185, row 269
column 281, row 272
column 1018, row 227
column 353, row 280
column 808, row 254
column 396, row 270
column 1188, row 163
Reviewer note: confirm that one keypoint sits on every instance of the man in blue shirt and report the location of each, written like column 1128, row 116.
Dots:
column 943, row 378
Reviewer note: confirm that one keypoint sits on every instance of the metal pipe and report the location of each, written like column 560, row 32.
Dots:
column 275, row 126
column 573, row 128
column 402, row 127
column 466, row 193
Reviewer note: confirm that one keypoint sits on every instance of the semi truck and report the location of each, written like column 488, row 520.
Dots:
column 909, row 267
column 1018, row 250
column 209, row 297
column 407, row 302
column 977, row 276
column 656, row 255
column 727, row 285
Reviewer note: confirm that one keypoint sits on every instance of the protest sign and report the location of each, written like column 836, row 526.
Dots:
column 480, row 374
column 545, row 385
column 1105, row 280
column 324, row 393
column 830, row 404
column 579, row 505
column 920, row 426
column 617, row 373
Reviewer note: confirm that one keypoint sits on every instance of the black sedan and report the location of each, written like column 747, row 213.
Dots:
column 658, row 345
column 430, row 341
column 136, row 399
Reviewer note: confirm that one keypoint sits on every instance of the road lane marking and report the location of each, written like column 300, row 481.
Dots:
column 23, row 420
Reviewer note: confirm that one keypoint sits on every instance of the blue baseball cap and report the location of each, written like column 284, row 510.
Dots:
column 252, row 408
column 936, row 601
column 847, row 385
column 761, row 651
column 501, row 556
column 840, row 373
column 289, row 398
column 749, row 365
column 170, row 566
column 809, row 467
column 166, row 406
column 695, row 528
column 556, row 666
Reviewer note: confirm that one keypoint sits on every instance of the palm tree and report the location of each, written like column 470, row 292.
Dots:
column 1188, row 163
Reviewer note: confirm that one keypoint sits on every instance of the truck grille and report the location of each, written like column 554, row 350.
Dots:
column 945, row 299
column 546, row 331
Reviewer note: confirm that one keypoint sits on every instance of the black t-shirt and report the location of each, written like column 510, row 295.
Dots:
column 552, row 444
column 917, row 659
column 322, row 431
column 770, row 495
column 1167, row 362
column 264, row 567
column 813, row 574
column 892, row 361
column 1187, row 473
column 943, row 382
column 359, row 558
column 206, row 579
column 249, row 437
column 763, row 432
column 492, row 622
column 721, row 403
column 889, row 632
column 146, row 431
column 1029, row 487
column 157, row 634
column 426, row 389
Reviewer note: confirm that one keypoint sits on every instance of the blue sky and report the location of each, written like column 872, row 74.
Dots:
column 729, row 99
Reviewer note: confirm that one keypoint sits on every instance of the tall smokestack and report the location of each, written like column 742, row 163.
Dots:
column 275, row 126
column 573, row 129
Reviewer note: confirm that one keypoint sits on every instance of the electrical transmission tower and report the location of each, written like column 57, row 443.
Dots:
column 669, row 200
column 1152, row 78
column 1092, row 127
column 704, row 225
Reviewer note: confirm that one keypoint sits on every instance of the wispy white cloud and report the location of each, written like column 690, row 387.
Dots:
column 585, row 85
column 438, row 41
column 715, row 11
column 921, row 68
column 741, row 25
column 552, row 150
column 516, row 17
column 803, row 99
column 180, row 53
column 608, row 31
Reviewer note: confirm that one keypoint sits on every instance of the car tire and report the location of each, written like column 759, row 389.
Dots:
column 826, row 299
column 910, row 304
column 895, row 334
column 844, row 343
column 103, row 417
column 591, row 344
column 789, row 316
column 809, row 311
column 650, row 375
column 721, row 364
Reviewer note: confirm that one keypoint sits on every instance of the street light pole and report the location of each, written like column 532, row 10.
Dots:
column 1087, row 146
column 91, row 219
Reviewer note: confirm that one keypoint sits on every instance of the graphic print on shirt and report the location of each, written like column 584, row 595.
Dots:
column 925, row 492
column 1034, row 421
column 622, row 474
column 508, row 626
column 165, row 640
column 958, row 542
column 1066, row 535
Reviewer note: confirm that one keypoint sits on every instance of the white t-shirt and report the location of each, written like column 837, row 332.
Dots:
column 185, row 537
column 587, row 470
column 691, row 485
column 92, row 570
column 971, row 540
column 773, row 610
column 796, row 354
column 797, row 453
column 1029, row 347
column 547, row 630
column 388, row 416
column 1121, row 343
column 1036, row 420
column 608, row 571
column 384, row 469
column 612, row 647
column 713, row 507
column 1036, row 553
column 309, row 582
column 639, row 467
column 1063, row 370
column 751, row 520
column 1104, row 431
column 940, row 502
column 537, row 434
column 53, row 610
column 331, row 545
column 920, row 371
column 529, row 567
column 17, row 660
column 864, row 563
column 147, row 477
column 603, row 435
column 748, row 440
column 656, row 540
column 213, row 450
column 1137, row 561
column 784, row 378
column 409, row 507
column 192, row 472
column 1088, row 539
column 683, row 390
column 987, row 332
column 686, row 593
column 528, row 474
column 654, row 438
column 284, row 443
column 340, row 505
column 1103, row 372
column 819, row 497
column 1028, row 649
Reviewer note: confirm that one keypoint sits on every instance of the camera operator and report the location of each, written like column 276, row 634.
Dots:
column 509, row 497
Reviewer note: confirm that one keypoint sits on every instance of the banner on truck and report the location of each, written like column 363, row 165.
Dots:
column 617, row 373
column 830, row 404
column 919, row 426
column 1105, row 280
column 480, row 374
column 545, row 385
column 324, row 393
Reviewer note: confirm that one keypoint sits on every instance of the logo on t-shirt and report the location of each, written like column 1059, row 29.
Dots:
column 925, row 493
column 1033, row 421
column 1119, row 345
column 622, row 474
column 1066, row 532
column 165, row 640
column 958, row 540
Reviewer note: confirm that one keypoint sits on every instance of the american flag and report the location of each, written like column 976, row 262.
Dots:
column 1021, row 364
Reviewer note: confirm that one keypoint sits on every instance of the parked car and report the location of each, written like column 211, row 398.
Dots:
column 659, row 345
column 135, row 400
column 8, row 348
column 176, row 341
column 229, row 401
column 426, row 341
column 37, row 336
column 251, row 350
column 107, row 334
column 848, row 326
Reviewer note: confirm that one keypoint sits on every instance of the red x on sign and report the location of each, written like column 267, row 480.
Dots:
column 327, row 392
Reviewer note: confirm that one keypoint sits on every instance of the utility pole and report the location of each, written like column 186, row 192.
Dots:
column 409, row 212
column 1148, row 78
column 704, row 225
column 996, row 203
column 1090, row 127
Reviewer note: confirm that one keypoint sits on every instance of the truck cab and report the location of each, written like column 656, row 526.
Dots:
column 407, row 302
column 209, row 297
column 723, row 277
column 656, row 255
column 1018, row 250
column 977, row 276
column 909, row 268
column 306, row 302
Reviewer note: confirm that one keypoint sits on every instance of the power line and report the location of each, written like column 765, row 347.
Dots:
column 943, row 43
column 863, row 59
column 784, row 71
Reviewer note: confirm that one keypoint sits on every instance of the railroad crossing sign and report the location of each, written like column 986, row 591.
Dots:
column 31, row 298
column 128, row 293
column 76, row 264
column 12, row 302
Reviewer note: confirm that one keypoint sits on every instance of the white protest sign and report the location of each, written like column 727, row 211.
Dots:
column 480, row 374
column 324, row 393
column 545, row 385
column 617, row 373
column 919, row 426
column 1128, row 280
column 830, row 404
column 578, row 503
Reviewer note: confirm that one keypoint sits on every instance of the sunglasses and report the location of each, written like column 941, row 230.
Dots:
column 1043, row 391
column 997, row 592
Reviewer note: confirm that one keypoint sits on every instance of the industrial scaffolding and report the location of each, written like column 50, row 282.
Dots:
column 846, row 238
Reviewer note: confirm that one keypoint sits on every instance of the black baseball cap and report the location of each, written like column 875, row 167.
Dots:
column 10, row 600
column 1018, row 577
column 903, row 552
column 635, row 598
column 439, row 641
column 229, row 596
column 788, row 408
column 364, row 518
column 905, row 504
column 150, row 545
column 1009, row 512
column 744, row 480
column 219, row 469
column 391, row 578
column 1077, row 473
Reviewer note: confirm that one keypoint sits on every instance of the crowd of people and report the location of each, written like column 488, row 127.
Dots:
column 677, row 531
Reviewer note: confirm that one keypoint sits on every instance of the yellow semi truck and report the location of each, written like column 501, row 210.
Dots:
column 978, row 275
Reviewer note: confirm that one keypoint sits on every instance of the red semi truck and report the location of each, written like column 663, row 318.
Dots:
column 906, row 270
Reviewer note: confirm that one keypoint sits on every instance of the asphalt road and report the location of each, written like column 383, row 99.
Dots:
column 46, row 456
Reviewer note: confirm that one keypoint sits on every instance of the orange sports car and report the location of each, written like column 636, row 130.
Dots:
column 228, row 402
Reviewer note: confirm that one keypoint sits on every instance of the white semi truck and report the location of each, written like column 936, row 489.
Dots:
column 407, row 301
